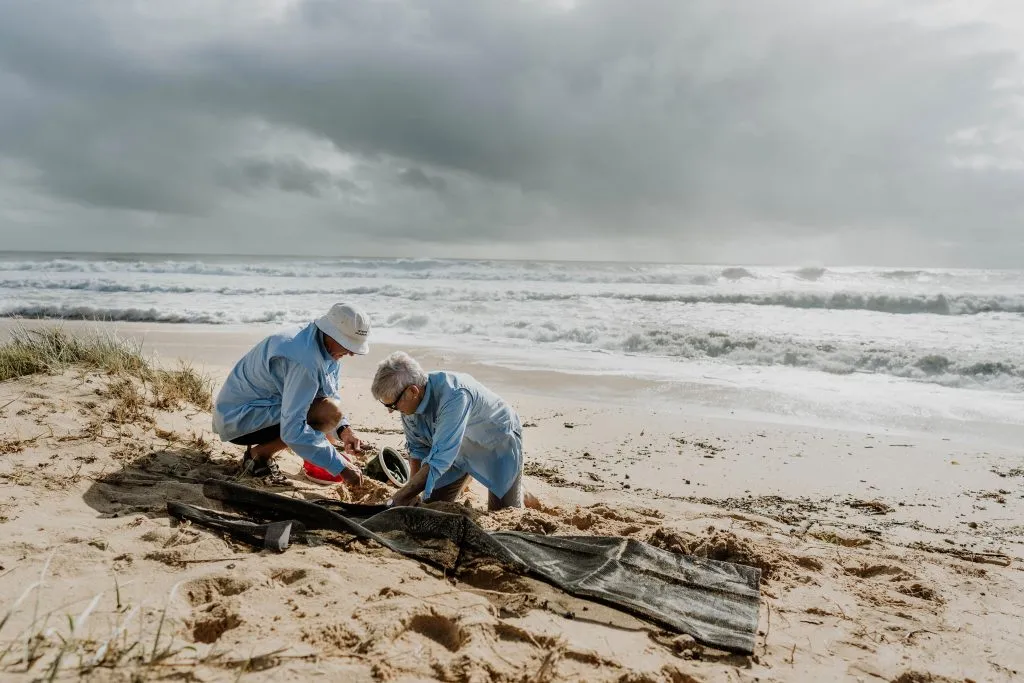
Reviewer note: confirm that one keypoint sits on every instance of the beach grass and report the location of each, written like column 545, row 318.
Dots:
column 52, row 350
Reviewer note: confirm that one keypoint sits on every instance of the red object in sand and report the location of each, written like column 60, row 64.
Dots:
column 319, row 474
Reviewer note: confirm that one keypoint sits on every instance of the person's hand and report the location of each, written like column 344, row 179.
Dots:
column 351, row 475
column 401, row 500
column 351, row 441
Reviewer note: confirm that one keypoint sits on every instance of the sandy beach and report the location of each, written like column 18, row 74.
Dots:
column 886, row 554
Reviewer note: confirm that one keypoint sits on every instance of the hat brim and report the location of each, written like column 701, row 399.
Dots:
column 360, row 347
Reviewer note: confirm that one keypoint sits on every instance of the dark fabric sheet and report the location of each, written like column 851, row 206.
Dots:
column 715, row 602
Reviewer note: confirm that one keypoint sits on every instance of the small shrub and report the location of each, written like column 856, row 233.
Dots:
column 172, row 387
column 129, row 402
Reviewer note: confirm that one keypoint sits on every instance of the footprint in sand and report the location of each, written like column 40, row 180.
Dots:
column 439, row 629
column 906, row 582
column 213, row 621
column 208, row 589
column 290, row 575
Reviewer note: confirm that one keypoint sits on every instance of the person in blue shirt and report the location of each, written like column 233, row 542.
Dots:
column 455, row 428
column 283, row 393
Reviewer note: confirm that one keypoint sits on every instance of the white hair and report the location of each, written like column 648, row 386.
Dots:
column 394, row 374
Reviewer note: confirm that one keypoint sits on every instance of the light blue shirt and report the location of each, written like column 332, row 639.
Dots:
column 462, row 427
column 275, row 383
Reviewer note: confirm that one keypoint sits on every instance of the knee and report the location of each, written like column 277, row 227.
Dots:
column 324, row 414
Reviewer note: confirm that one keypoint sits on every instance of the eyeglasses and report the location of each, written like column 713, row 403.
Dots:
column 394, row 405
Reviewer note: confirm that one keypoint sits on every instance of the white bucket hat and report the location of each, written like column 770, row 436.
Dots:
column 348, row 326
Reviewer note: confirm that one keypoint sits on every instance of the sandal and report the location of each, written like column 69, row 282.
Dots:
column 267, row 469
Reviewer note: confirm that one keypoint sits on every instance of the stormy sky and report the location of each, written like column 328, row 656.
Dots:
column 848, row 131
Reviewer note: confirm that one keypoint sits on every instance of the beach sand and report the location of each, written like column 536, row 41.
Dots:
column 885, row 555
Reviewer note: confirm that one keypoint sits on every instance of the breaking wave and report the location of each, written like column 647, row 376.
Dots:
column 935, row 304
column 736, row 273
column 902, row 274
column 404, row 269
column 142, row 315
column 842, row 359
column 810, row 273
column 114, row 287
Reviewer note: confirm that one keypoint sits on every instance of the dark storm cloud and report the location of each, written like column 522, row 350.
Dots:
column 475, row 120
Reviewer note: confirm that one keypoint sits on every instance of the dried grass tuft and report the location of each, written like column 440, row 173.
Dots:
column 171, row 388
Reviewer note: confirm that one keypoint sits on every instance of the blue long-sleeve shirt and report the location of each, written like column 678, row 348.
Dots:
column 462, row 425
column 275, row 383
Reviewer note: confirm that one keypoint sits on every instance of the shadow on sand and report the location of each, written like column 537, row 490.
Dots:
column 145, row 485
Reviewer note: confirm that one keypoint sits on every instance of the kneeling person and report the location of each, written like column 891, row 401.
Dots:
column 455, row 428
column 275, row 392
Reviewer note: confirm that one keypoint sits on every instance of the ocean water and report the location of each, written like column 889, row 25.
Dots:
column 869, row 343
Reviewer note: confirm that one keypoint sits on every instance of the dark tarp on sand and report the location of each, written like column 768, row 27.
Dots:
column 715, row 602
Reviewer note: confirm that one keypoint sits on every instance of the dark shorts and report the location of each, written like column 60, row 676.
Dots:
column 259, row 437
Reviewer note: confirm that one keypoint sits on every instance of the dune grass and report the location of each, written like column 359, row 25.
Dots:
column 51, row 350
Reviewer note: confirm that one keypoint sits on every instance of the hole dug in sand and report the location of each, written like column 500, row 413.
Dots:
column 437, row 628
column 214, row 621
column 213, row 615
column 370, row 492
